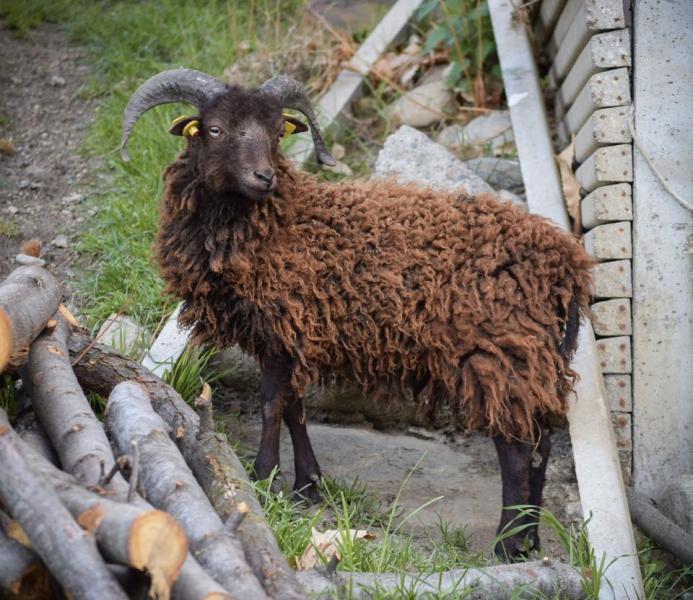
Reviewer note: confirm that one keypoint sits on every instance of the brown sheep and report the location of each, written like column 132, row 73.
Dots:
column 467, row 302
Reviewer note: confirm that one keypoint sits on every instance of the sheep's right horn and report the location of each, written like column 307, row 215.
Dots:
column 292, row 94
column 174, row 85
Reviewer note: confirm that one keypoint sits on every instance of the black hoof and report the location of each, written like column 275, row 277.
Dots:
column 308, row 491
column 262, row 471
column 515, row 549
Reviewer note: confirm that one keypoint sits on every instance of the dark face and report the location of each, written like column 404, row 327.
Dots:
column 238, row 141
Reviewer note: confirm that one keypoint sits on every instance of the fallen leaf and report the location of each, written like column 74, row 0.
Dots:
column 570, row 185
column 325, row 546
column 6, row 147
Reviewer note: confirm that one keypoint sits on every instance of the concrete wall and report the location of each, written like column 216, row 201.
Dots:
column 663, row 244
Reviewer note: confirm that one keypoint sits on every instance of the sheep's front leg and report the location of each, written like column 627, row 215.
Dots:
column 306, row 465
column 515, row 460
column 272, row 393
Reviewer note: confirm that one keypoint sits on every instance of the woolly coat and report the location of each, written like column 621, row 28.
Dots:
column 464, row 301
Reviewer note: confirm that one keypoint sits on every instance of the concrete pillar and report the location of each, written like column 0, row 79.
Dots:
column 663, row 245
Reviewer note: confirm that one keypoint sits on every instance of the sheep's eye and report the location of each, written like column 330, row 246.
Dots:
column 214, row 131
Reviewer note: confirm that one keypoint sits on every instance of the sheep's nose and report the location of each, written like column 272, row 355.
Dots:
column 265, row 175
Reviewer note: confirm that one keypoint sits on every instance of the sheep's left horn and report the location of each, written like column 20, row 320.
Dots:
column 174, row 85
column 292, row 94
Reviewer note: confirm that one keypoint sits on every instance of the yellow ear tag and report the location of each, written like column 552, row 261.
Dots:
column 178, row 120
column 191, row 129
column 289, row 128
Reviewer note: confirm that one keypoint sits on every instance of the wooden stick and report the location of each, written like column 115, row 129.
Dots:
column 499, row 582
column 194, row 583
column 214, row 464
column 78, row 566
column 128, row 534
column 167, row 482
column 21, row 571
column 660, row 528
column 64, row 411
column 203, row 403
column 28, row 298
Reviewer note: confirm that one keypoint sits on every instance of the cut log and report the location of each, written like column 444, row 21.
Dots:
column 134, row 583
column 28, row 299
column 216, row 467
column 226, row 483
column 499, row 582
column 194, row 583
column 64, row 411
column 167, row 482
column 666, row 534
column 128, row 534
column 21, row 571
column 77, row 566
column 29, row 429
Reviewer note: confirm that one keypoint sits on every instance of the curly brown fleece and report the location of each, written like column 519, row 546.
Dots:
column 463, row 302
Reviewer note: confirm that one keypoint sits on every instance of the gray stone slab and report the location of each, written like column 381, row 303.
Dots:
column 610, row 164
column 610, row 241
column 602, row 90
column 663, row 230
column 499, row 173
column 603, row 51
column 411, row 156
column 612, row 317
column 612, row 279
column 619, row 392
column 603, row 127
column 607, row 203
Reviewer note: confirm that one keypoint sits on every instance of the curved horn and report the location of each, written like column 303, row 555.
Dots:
column 174, row 85
column 292, row 94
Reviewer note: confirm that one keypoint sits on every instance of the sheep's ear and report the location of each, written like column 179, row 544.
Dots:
column 293, row 125
column 185, row 125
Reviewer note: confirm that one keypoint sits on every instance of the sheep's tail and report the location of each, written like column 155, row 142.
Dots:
column 568, row 344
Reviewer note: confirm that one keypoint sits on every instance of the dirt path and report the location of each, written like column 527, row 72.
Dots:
column 44, row 184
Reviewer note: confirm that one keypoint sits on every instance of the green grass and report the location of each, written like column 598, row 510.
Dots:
column 8, row 227
column 128, row 42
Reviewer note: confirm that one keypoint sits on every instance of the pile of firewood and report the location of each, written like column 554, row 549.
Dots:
column 149, row 502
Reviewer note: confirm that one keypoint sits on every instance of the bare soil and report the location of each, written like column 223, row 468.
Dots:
column 44, row 184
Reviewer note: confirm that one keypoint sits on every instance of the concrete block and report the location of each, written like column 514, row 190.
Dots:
column 612, row 317
column 593, row 16
column 677, row 502
column 608, row 50
column 607, row 203
column 619, row 392
column 604, row 126
column 602, row 90
column 610, row 241
column 123, row 334
column 612, row 279
column 623, row 424
column 610, row 164
column 614, row 354
column 563, row 24
column 549, row 13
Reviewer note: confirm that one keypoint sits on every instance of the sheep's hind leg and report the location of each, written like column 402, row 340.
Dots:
column 306, row 465
column 515, row 460
column 537, row 476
